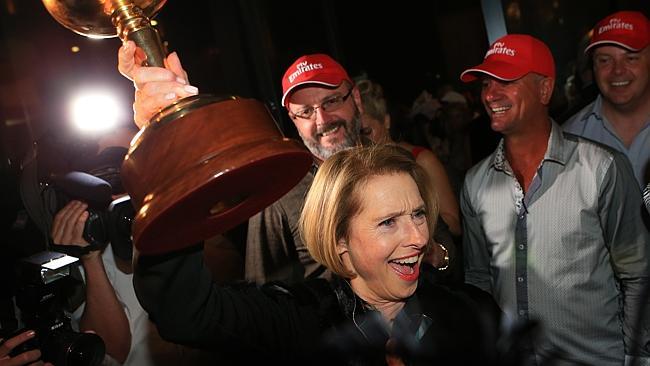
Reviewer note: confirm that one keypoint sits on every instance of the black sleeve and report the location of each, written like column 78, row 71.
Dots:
column 256, row 322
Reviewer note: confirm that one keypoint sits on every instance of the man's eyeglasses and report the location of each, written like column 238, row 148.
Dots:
column 328, row 105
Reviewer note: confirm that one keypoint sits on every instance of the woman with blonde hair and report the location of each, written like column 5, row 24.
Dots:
column 367, row 218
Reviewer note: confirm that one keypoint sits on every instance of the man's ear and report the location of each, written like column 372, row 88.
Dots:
column 546, row 86
column 357, row 99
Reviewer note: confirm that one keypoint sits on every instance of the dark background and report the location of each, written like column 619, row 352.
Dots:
column 243, row 47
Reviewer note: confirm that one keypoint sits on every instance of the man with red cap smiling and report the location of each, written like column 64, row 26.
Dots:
column 551, row 228
column 324, row 105
column 620, row 115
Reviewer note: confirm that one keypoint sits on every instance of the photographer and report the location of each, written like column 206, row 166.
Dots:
column 111, row 309
column 103, row 312
column 31, row 357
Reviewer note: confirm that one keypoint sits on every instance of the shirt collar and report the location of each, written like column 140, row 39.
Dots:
column 499, row 160
column 556, row 150
column 594, row 109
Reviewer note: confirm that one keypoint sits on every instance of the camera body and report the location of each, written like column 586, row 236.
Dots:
column 111, row 225
column 109, row 219
column 45, row 282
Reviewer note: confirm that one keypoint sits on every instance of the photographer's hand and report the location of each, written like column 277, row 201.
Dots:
column 68, row 227
column 26, row 358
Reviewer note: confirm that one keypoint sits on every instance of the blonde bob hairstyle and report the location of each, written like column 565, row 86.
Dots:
column 335, row 197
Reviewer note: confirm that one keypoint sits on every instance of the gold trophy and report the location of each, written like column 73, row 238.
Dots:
column 202, row 165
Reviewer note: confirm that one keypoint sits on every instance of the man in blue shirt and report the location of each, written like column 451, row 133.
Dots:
column 620, row 115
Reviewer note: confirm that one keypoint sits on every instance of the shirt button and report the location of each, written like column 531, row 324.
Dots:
column 521, row 247
column 520, row 279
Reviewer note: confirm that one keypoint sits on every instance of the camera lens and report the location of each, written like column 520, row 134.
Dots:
column 87, row 349
column 124, row 214
column 67, row 348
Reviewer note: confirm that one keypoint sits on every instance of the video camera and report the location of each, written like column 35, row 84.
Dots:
column 44, row 283
column 108, row 221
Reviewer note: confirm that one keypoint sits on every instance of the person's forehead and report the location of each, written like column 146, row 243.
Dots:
column 378, row 193
column 611, row 49
column 529, row 77
column 314, row 93
column 486, row 78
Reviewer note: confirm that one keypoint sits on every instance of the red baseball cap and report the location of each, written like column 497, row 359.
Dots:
column 312, row 69
column 628, row 29
column 512, row 57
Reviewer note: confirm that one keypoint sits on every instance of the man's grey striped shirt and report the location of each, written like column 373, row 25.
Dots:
column 563, row 253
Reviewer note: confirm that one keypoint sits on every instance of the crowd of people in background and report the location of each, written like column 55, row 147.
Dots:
column 475, row 224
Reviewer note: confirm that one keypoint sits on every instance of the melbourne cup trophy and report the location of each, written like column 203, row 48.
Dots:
column 202, row 165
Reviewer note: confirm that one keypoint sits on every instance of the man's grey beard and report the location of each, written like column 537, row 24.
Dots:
column 350, row 139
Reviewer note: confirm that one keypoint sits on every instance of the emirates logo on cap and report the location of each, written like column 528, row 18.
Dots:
column 317, row 69
column 512, row 57
column 627, row 29
column 303, row 67
column 615, row 23
column 500, row 48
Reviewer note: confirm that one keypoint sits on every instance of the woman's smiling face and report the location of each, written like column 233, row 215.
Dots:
column 386, row 239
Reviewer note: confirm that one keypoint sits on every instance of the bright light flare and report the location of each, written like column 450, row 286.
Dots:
column 96, row 110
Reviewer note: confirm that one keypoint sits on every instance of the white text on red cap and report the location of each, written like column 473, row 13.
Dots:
column 500, row 48
column 303, row 67
column 615, row 23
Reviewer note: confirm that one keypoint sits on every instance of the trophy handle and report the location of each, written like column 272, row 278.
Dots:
column 132, row 24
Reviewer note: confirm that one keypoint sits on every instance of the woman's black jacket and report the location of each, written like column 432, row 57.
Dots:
column 316, row 322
